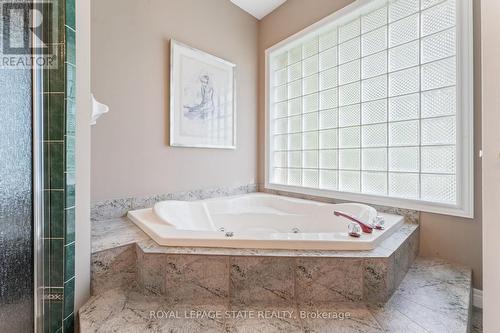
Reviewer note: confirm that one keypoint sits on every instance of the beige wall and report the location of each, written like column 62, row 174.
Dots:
column 130, row 73
column 452, row 238
column 490, row 25
column 130, row 155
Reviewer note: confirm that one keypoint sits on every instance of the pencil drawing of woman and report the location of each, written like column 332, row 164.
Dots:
column 206, row 106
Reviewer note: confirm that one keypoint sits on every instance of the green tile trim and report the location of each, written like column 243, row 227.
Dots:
column 54, row 21
column 56, row 215
column 70, row 116
column 53, row 78
column 70, row 14
column 45, row 116
column 54, row 262
column 70, row 81
column 69, row 236
column 53, row 306
column 69, row 257
column 70, row 46
column 69, row 324
column 56, row 165
column 46, row 167
column 56, row 121
column 55, row 309
column 70, row 153
column 59, row 163
column 69, row 297
column 70, row 190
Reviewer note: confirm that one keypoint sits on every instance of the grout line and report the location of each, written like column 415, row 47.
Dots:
column 337, row 173
column 363, row 102
column 420, row 107
column 70, row 28
column 72, row 313
column 360, row 153
column 372, row 170
column 388, row 48
column 366, row 125
column 71, row 278
column 387, row 191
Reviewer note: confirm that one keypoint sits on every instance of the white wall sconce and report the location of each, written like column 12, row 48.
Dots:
column 98, row 109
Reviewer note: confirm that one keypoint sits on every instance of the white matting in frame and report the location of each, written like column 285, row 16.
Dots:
column 202, row 99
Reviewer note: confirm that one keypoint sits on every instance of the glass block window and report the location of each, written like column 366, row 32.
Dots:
column 369, row 104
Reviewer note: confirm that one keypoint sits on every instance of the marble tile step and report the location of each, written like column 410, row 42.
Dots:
column 123, row 254
column 477, row 320
column 435, row 296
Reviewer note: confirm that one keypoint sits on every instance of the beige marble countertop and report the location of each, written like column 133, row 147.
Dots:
column 110, row 234
column 118, row 232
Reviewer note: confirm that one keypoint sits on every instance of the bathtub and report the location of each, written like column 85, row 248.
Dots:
column 261, row 221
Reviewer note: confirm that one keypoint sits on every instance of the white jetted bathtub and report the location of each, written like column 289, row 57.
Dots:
column 262, row 221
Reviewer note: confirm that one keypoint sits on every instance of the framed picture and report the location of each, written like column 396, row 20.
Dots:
column 202, row 99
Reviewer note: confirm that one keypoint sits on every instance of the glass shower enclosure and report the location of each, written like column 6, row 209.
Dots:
column 37, row 165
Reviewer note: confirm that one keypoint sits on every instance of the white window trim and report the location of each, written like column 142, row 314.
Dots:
column 464, row 116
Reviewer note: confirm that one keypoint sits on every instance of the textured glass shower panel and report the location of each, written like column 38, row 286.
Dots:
column 376, row 97
column 16, row 210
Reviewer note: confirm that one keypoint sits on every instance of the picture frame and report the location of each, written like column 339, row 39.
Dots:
column 202, row 99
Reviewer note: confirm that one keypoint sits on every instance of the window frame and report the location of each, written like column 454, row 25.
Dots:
column 464, row 115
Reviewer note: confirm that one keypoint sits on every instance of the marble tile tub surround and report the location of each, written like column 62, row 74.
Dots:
column 110, row 209
column 121, row 253
column 279, row 278
column 250, row 276
column 433, row 297
column 116, row 267
column 411, row 216
column 109, row 234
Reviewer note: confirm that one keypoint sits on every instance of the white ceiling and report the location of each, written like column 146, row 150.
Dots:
column 258, row 8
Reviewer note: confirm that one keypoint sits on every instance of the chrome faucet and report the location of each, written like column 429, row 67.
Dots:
column 379, row 222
